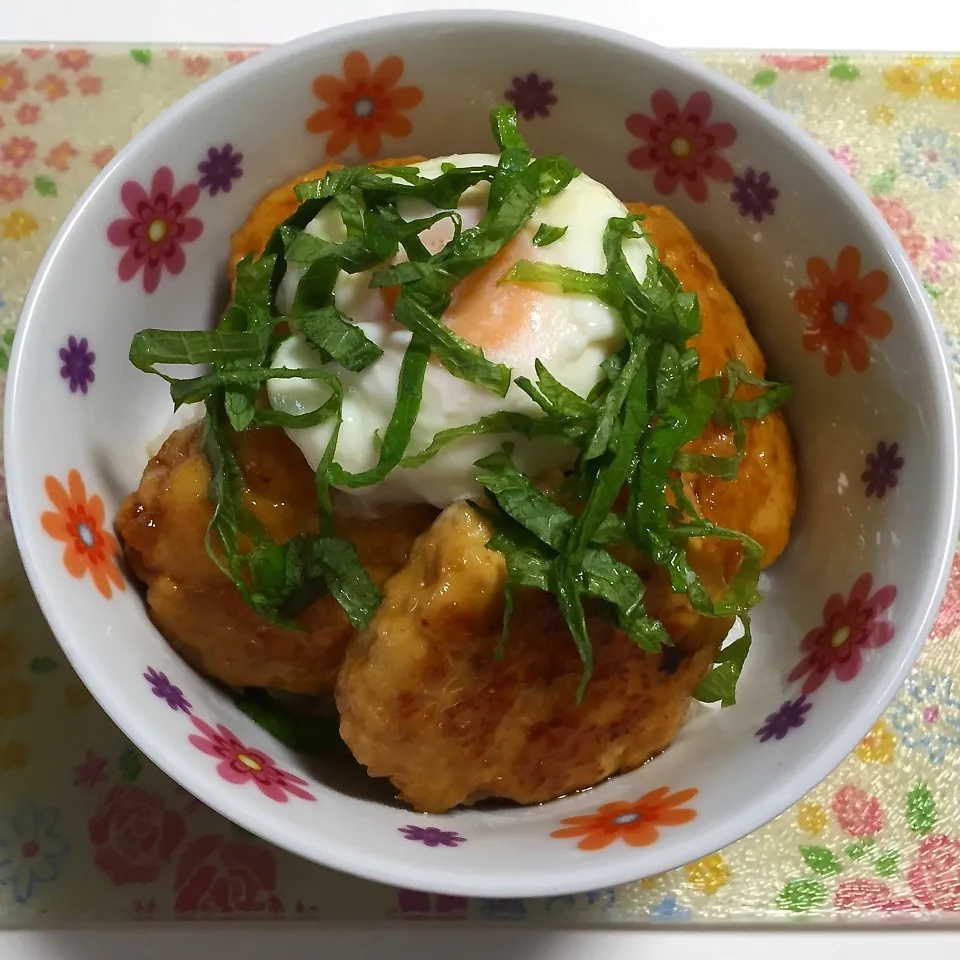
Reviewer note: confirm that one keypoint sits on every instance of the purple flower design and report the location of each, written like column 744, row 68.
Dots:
column 781, row 722
column 77, row 364
column 432, row 836
column 165, row 690
column 754, row 194
column 883, row 469
column 220, row 169
column 531, row 96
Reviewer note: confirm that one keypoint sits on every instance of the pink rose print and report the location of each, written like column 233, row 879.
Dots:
column 134, row 834
column 196, row 66
column 157, row 229
column 240, row 763
column 415, row 905
column 100, row 158
column 948, row 619
column 238, row 56
column 857, row 812
column 849, row 627
column 220, row 877
column 934, row 875
column 90, row 86
column 34, row 53
column 864, row 894
column 939, row 252
column 681, row 145
column 901, row 222
column 844, row 156
column 73, row 59
column 799, row 64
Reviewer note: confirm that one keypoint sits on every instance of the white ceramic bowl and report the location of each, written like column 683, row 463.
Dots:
column 847, row 607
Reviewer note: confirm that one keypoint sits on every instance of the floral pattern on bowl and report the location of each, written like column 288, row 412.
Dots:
column 681, row 144
column 364, row 105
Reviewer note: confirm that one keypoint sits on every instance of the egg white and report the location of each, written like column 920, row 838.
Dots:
column 570, row 334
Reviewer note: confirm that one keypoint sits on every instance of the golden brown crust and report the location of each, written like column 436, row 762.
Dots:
column 424, row 701
column 162, row 526
column 762, row 500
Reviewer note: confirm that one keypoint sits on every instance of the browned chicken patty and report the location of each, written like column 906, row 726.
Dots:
column 762, row 500
column 424, row 701
column 162, row 528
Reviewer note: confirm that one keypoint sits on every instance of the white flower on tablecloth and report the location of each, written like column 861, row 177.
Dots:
column 32, row 849
column 926, row 714
column 928, row 154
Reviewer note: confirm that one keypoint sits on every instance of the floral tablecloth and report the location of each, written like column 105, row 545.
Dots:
column 90, row 830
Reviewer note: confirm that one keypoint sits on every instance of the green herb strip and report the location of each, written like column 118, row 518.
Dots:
column 547, row 234
column 650, row 407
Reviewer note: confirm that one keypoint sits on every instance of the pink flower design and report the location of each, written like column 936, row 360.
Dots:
column 849, row 627
column 59, row 156
column 52, row 87
column 100, row 158
column 12, row 187
column 238, row 56
column 144, row 909
column 948, row 619
column 901, row 222
column 934, row 875
column 681, row 145
column 91, row 771
column 941, row 250
column 18, row 151
column 857, row 812
column 90, row 85
column 415, row 905
column 864, row 894
column 217, row 877
column 844, row 156
column 73, row 59
column 196, row 66
column 34, row 53
column 798, row 64
column 12, row 81
column 240, row 763
column 27, row 113
column 157, row 228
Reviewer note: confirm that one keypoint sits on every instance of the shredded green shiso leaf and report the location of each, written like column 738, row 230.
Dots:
column 628, row 434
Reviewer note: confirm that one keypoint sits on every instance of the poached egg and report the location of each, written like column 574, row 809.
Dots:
column 513, row 323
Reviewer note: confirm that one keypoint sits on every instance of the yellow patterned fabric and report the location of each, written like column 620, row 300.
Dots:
column 90, row 830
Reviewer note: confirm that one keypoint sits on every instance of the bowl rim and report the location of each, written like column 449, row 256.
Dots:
column 786, row 789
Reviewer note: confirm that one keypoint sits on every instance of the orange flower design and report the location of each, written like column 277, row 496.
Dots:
column 634, row 823
column 842, row 309
column 78, row 523
column 364, row 105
